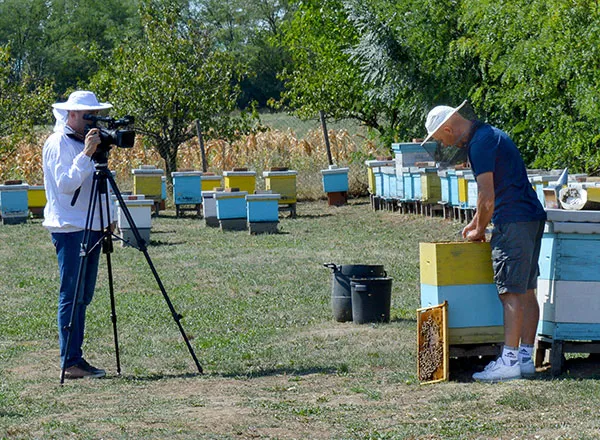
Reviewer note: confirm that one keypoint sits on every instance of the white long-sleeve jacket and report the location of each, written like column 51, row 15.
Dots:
column 67, row 168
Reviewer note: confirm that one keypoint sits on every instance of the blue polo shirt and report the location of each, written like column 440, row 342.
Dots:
column 491, row 150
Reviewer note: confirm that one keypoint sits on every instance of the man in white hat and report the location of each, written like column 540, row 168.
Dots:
column 68, row 166
column 507, row 199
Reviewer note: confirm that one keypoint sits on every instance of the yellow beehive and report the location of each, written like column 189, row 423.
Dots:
column 243, row 180
column 282, row 183
column 371, row 180
column 210, row 182
column 431, row 186
column 148, row 181
column 456, row 263
column 36, row 196
column 463, row 187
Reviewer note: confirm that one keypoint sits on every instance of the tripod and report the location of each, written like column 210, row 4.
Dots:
column 99, row 195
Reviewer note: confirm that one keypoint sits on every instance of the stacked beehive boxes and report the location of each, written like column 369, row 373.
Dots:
column 461, row 273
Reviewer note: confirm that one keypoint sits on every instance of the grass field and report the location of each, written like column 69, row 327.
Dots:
column 276, row 364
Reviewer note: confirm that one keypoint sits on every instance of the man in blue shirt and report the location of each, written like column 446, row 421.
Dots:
column 507, row 199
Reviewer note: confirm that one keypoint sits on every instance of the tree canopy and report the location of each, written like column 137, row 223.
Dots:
column 527, row 66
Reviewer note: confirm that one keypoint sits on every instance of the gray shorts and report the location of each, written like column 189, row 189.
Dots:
column 515, row 254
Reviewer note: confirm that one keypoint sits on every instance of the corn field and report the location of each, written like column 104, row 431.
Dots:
column 258, row 152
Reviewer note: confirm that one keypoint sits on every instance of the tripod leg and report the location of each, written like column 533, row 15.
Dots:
column 141, row 245
column 79, row 286
column 107, row 249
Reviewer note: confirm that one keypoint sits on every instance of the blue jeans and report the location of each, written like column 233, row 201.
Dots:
column 68, row 247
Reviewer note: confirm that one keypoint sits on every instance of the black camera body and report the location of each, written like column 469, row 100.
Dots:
column 110, row 134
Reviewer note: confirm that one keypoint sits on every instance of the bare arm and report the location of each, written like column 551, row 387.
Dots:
column 475, row 230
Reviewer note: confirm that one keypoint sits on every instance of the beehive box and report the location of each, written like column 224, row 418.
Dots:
column 472, row 191
column 230, row 205
column 148, row 181
column 407, row 154
column 461, row 273
column 187, row 187
column 282, row 183
column 36, row 199
column 243, row 180
column 209, row 208
column 210, row 182
column 445, row 188
column 415, row 176
column 463, row 190
column 378, row 176
column 13, row 203
column 569, row 282
column 262, row 208
column 407, row 181
column 371, row 165
column 141, row 213
column 335, row 179
column 431, row 186
column 389, row 181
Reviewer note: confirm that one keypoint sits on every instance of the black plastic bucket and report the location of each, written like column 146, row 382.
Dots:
column 341, row 294
column 371, row 299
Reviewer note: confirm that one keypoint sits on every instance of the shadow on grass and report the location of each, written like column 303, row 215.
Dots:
column 462, row 369
column 284, row 371
column 155, row 377
column 313, row 215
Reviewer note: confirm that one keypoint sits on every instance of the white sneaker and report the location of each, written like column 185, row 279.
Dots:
column 527, row 368
column 496, row 371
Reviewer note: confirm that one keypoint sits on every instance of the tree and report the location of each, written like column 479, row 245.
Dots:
column 170, row 78
column 250, row 30
column 382, row 62
column 24, row 102
column 51, row 39
column 539, row 75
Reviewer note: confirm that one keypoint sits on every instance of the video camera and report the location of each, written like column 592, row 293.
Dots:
column 110, row 135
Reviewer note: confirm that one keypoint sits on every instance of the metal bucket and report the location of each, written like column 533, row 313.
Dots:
column 341, row 294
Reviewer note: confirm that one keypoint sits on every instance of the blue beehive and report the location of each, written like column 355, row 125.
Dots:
column 379, row 185
column 230, row 205
column 461, row 273
column 472, row 191
column 568, row 284
column 163, row 187
column 14, row 206
column 408, row 184
column 415, row 176
column 407, row 154
column 453, row 182
column 445, row 186
column 335, row 179
column 262, row 207
column 389, row 181
column 187, row 187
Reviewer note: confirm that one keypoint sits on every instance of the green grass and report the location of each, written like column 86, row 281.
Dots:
column 258, row 313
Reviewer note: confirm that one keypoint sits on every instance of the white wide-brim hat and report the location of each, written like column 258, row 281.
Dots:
column 82, row 100
column 437, row 117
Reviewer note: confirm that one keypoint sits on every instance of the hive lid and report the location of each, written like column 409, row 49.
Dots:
column 379, row 163
column 263, row 197
column 186, row 173
column 230, row 195
column 138, row 203
column 148, row 171
column 239, row 173
column 19, row 187
column 335, row 171
column 210, row 177
column 279, row 173
column 580, row 216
